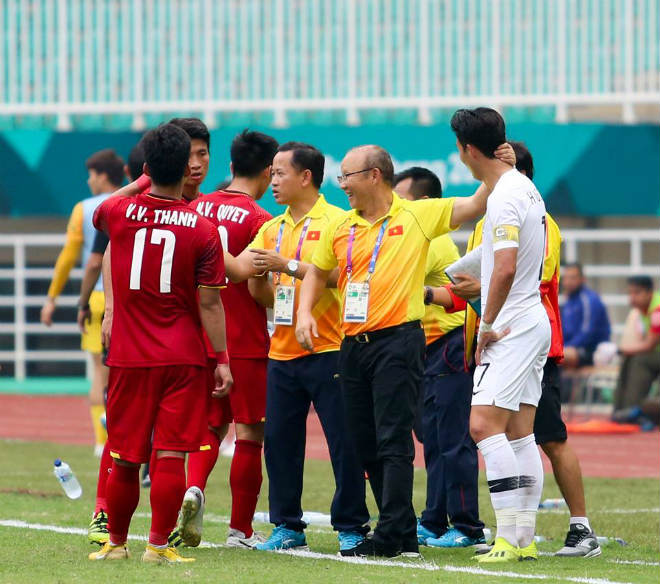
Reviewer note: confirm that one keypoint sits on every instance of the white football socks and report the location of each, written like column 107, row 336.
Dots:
column 582, row 520
column 502, row 475
column 530, row 488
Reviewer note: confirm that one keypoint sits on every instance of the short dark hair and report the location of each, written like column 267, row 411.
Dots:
column 482, row 127
column 252, row 152
column 576, row 265
column 136, row 161
column 380, row 158
column 524, row 160
column 306, row 157
column 425, row 183
column 645, row 282
column 107, row 162
column 195, row 128
column 166, row 153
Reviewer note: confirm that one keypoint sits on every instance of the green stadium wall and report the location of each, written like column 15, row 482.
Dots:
column 581, row 169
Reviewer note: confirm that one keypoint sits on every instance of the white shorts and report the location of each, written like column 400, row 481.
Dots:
column 511, row 369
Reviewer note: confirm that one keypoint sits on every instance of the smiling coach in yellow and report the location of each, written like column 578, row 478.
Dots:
column 380, row 247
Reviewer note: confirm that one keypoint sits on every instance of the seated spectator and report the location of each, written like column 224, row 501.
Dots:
column 641, row 352
column 584, row 319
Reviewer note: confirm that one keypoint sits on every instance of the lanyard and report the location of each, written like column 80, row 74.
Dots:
column 374, row 255
column 278, row 243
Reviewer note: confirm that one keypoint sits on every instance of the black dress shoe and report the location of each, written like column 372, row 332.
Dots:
column 370, row 549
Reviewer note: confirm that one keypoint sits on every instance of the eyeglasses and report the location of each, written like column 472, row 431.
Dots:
column 342, row 177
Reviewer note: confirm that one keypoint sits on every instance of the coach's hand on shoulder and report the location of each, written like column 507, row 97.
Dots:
column 506, row 154
column 306, row 330
column 223, row 381
column 486, row 338
column 466, row 286
column 268, row 260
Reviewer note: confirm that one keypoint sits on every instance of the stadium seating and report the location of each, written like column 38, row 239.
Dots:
column 413, row 57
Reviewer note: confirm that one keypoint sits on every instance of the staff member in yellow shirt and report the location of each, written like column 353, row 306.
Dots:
column 298, row 378
column 106, row 173
column 380, row 248
column 450, row 454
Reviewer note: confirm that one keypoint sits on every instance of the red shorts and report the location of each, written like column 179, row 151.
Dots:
column 167, row 403
column 246, row 402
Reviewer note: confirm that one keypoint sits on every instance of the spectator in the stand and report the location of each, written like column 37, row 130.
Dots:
column 584, row 319
column 641, row 361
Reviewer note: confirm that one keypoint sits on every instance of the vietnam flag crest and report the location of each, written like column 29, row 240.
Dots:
column 314, row 236
column 397, row 230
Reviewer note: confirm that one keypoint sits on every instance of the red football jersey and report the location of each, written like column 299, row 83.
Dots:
column 161, row 252
column 238, row 218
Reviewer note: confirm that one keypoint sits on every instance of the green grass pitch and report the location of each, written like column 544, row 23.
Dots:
column 626, row 508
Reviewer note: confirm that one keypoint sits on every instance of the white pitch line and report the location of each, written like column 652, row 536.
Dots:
column 564, row 511
column 427, row 566
column 431, row 567
column 75, row 530
column 635, row 562
column 224, row 520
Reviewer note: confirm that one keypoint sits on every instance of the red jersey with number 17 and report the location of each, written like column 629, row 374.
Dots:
column 237, row 218
column 161, row 252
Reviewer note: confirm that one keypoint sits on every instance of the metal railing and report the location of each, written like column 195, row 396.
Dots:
column 133, row 58
column 21, row 273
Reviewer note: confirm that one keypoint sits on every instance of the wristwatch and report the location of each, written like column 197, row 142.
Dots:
column 428, row 295
column 292, row 267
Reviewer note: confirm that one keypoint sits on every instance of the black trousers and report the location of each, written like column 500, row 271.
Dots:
column 381, row 380
column 292, row 386
column 450, row 454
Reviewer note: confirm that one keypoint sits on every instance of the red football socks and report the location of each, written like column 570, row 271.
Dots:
column 122, row 496
column 104, row 471
column 168, row 485
column 245, row 480
column 201, row 463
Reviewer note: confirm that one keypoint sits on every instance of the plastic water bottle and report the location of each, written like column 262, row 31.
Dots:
column 262, row 516
column 602, row 540
column 67, row 479
column 552, row 504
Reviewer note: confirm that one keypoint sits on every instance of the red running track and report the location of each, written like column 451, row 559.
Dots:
column 65, row 420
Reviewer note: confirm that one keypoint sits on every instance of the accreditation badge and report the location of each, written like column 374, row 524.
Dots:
column 284, row 302
column 356, row 303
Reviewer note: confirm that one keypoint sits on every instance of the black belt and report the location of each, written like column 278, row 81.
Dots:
column 371, row 336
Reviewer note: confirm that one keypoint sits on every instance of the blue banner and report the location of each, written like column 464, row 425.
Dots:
column 581, row 169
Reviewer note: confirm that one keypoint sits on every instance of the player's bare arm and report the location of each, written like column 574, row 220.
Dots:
column 91, row 276
column 140, row 184
column 504, row 272
column 262, row 291
column 239, row 268
column 310, row 292
column 212, row 315
column 106, row 325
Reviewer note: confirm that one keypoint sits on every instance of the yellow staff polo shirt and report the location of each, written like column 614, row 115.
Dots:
column 283, row 344
column 437, row 322
column 396, row 289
